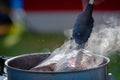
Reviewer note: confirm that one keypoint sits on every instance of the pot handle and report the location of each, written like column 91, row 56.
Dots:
column 111, row 77
column 2, row 64
column 2, row 61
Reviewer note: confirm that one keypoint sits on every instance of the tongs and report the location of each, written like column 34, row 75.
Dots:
column 83, row 26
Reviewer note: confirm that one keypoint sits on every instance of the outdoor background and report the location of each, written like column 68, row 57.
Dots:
column 45, row 23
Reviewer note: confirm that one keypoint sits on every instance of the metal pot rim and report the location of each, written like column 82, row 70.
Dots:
column 47, row 72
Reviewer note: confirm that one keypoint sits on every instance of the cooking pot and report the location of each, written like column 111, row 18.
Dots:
column 18, row 69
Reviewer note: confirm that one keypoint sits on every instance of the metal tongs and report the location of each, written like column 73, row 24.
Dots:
column 83, row 26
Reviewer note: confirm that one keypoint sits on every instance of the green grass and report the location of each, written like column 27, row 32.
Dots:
column 36, row 43
column 33, row 43
column 114, row 65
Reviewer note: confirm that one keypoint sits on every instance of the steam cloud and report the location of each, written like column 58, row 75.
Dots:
column 107, row 39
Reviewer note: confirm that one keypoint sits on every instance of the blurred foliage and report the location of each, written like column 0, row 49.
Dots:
column 114, row 65
column 33, row 43
column 36, row 43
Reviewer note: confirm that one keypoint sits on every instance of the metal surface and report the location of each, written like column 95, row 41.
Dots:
column 5, row 78
column 1, row 65
column 111, row 77
column 17, row 69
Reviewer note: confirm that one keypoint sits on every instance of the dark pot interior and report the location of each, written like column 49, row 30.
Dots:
column 26, row 62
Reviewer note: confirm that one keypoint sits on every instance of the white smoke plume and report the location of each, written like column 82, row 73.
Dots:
column 107, row 39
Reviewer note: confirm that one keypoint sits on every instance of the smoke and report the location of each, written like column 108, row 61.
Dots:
column 102, row 42
column 107, row 39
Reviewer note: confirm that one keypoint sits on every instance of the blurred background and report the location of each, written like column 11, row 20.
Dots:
column 34, row 26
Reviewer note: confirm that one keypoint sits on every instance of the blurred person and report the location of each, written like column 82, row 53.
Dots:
column 5, row 21
column 17, row 29
column 11, row 21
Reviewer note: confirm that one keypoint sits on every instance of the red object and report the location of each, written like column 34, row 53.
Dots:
column 68, row 5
